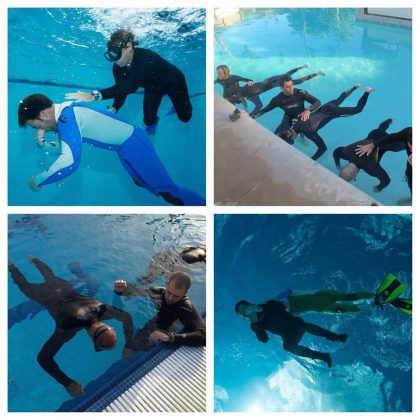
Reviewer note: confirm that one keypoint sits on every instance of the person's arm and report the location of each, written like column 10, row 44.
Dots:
column 315, row 102
column 119, row 101
column 50, row 349
column 241, row 79
column 337, row 154
column 259, row 332
column 69, row 159
column 194, row 324
column 268, row 108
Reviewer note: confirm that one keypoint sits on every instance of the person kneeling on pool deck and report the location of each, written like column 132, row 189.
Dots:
column 71, row 312
column 272, row 316
column 76, row 123
column 172, row 304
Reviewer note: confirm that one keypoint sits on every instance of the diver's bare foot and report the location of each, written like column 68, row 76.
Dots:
column 320, row 73
column 31, row 258
column 11, row 263
column 357, row 85
column 304, row 66
column 368, row 89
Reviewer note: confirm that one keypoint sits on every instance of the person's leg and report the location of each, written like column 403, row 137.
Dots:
column 384, row 125
column 142, row 163
column 151, row 103
column 255, row 99
column 285, row 125
column 306, row 78
column 32, row 291
column 178, row 94
column 344, row 95
column 353, row 110
column 291, row 344
column 44, row 269
column 319, row 142
column 322, row 332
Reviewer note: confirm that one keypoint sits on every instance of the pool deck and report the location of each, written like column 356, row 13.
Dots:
column 253, row 168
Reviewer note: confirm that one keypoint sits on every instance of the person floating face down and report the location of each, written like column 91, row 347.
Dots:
column 377, row 142
column 273, row 317
column 135, row 68
column 292, row 102
column 173, row 305
column 77, row 123
column 236, row 94
column 72, row 312
column 322, row 116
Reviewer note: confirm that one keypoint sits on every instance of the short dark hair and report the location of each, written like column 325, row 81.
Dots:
column 241, row 302
column 123, row 36
column 31, row 107
column 285, row 78
column 181, row 279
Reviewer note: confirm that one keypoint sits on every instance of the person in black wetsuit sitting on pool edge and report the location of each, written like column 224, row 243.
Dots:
column 72, row 312
column 273, row 317
column 172, row 304
column 322, row 116
column 139, row 67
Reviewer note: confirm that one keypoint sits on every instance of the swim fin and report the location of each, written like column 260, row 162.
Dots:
column 403, row 305
column 388, row 290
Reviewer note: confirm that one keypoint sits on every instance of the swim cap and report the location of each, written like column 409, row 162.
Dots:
column 102, row 335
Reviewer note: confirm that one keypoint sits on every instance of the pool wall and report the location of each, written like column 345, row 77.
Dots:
column 252, row 167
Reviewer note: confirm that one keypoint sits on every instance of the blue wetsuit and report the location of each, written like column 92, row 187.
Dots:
column 79, row 123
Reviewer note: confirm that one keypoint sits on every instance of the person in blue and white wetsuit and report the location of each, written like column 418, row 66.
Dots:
column 77, row 122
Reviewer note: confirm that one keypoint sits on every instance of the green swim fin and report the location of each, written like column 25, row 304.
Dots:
column 389, row 289
column 403, row 305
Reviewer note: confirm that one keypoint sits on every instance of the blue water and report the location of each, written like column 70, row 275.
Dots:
column 107, row 247
column 268, row 42
column 257, row 256
column 66, row 46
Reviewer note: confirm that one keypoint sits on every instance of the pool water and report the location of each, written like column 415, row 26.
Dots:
column 107, row 247
column 50, row 49
column 268, row 42
column 258, row 256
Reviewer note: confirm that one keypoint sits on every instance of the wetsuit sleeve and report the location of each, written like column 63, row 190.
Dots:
column 259, row 332
column 315, row 102
column 121, row 89
column 338, row 154
column 402, row 135
column 114, row 313
column 50, row 349
column 194, row 324
column 118, row 76
column 268, row 108
column 71, row 149
column 240, row 79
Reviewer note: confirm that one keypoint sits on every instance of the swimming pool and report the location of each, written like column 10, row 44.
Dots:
column 267, row 42
column 106, row 247
column 56, row 51
column 258, row 256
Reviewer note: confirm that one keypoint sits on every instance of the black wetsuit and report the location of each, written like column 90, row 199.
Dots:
column 323, row 115
column 158, row 77
column 277, row 320
column 292, row 105
column 232, row 89
column 71, row 312
column 371, row 164
column 184, row 311
column 396, row 142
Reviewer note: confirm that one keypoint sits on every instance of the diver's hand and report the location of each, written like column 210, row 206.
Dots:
column 127, row 353
column 159, row 336
column 120, row 286
column 80, row 96
column 304, row 66
column 11, row 264
column 365, row 149
column 40, row 137
column 75, row 389
column 410, row 159
column 32, row 184
column 31, row 258
column 250, row 83
column 305, row 115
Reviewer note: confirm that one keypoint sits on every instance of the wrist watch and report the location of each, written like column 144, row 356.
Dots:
column 171, row 337
column 96, row 94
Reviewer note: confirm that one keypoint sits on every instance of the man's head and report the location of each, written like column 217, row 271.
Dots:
column 286, row 85
column 349, row 172
column 37, row 111
column 223, row 71
column 193, row 255
column 120, row 47
column 177, row 287
column 102, row 335
column 241, row 307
